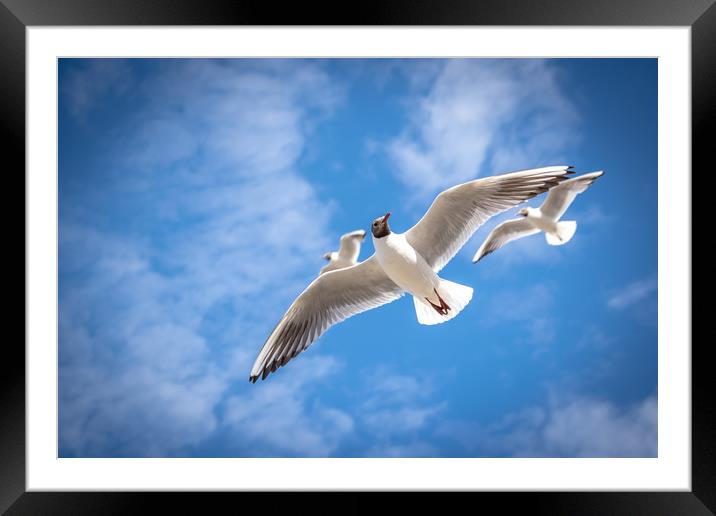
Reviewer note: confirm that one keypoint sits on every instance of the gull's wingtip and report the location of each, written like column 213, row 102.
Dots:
column 478, row 256
column 592, row 175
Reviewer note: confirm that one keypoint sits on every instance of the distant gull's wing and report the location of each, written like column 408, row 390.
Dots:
column 330, row 299
column 458, row 211
column 504, row 233
column 350, row 244
column 360, row 233
column 561, row 196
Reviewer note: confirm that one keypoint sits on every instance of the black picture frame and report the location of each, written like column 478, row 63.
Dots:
column 17, row 15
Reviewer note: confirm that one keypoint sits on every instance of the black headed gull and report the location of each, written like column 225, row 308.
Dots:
column 403, row 262
column 348, row 252
column 545, row 218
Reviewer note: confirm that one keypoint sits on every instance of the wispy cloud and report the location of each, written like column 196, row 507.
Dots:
column 395, row 409
column 531, row 307
column 483, row 114
column 147, row 346
column 633, row 293
column 587, row 213
column 280, row 418
column 81, row 88
column 521, row 304
column 579, row 427
column 595, row 338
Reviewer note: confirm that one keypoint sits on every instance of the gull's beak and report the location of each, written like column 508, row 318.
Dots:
column 387, row 216
column 327, row 257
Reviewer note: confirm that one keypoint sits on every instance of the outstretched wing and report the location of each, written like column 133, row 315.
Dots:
column 502, row 234
column 330, row 299
column 458, row 211
column 350, row 245
column 560, row 197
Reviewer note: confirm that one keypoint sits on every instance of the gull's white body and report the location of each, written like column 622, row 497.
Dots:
column 404, row 265
column 541, row 221
column 546, row 218
column 403, row 262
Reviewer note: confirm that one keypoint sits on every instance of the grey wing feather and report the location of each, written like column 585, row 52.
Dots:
column 328, row 300
column 458, row 212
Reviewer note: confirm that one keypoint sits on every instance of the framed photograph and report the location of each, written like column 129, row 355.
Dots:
column 492, row 219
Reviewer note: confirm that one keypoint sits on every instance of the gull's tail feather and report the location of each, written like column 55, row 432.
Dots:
column 456, row 297
column 565, row 232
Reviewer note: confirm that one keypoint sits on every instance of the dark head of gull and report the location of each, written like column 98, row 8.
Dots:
column 380, row 226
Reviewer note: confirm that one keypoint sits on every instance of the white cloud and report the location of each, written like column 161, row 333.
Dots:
column 521, row 304
column 632, row 294
column 395, row 407
column 279, row 418
column 411, row 449
column 590, row 428
column 390, row 387
column 484, row 116
column 580, row 427
column 591, row 215
column 532, row 307
column 595, row 338
column 401, row 420
column 143, row 364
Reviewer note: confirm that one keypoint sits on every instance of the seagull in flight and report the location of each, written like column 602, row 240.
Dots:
column 403, row 263
column 545, row 218
column 348, row 252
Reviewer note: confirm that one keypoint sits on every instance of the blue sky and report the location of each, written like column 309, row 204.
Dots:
column 196, row 198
